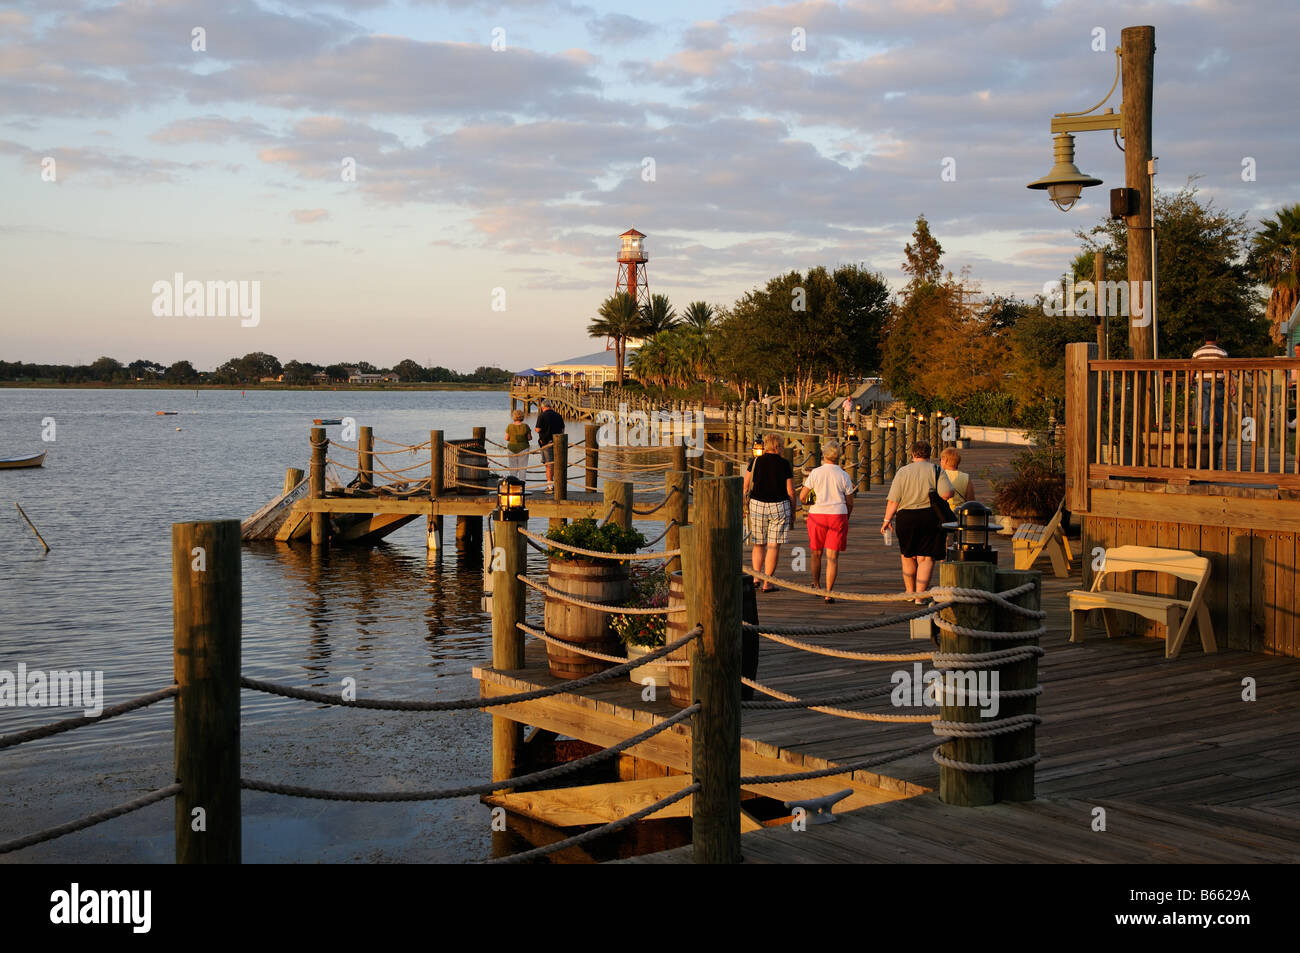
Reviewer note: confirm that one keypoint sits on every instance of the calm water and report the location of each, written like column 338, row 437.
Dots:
column 402, row 624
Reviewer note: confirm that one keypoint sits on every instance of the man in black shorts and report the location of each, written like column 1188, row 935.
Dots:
column 549, row 423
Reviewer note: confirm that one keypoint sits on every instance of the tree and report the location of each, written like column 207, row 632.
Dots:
column 409, row 370
column 699, row 314
column 1201, row 277
column 254, row 366
column 618, row 319
column 146, row 370
column 182, row 372
column 864, row 312
column 657, row 316
column 1274, row 261
column 337, row 373
column 922, row 262
column 107, row 369
column 298, row 372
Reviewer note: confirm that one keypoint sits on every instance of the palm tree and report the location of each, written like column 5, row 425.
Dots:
column 699, row 314
column 658, row 315
column 1275, row 261
column 618, row 319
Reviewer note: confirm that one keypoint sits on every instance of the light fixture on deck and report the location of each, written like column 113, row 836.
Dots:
column 971, row 543
column 758, row 446
column 510, row 501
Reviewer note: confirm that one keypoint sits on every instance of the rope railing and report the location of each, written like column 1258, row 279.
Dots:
column 583, row 838
column 845, row 768
column 596, row 554
column 69, row 724
column 470, row 790
column 596, row 606
column 840, row 712
column 583, row 650
column 90, row 820
column 303, row 694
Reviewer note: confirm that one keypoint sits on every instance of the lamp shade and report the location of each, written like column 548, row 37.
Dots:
column 510, row 500
column 1064, row 183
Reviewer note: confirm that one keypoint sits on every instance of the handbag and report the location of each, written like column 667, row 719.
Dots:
column 939, row 505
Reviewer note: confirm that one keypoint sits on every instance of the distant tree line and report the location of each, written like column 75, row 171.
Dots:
column 249, row 369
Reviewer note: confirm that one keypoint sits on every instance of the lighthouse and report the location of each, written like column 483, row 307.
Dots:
column 631, row 267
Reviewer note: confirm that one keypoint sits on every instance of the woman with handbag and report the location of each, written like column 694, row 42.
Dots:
column 921, row 538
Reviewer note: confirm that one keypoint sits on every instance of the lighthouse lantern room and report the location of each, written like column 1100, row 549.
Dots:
column 631, row 267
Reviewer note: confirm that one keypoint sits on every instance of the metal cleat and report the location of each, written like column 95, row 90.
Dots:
column 819, row 808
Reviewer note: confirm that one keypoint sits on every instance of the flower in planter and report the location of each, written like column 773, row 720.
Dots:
column 649, row 591
column 588, row 534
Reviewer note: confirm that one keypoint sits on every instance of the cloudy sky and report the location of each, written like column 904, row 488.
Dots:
column 506, row 146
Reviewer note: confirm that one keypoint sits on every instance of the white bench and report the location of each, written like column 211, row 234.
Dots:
column 1031, row 540
column 1175, row 614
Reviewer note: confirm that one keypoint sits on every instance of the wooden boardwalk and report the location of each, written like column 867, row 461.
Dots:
column 1185, row 769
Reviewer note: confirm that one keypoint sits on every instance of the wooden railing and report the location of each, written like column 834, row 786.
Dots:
column 1217, row 421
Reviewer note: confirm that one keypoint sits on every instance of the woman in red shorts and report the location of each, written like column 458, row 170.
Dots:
column 831, row 491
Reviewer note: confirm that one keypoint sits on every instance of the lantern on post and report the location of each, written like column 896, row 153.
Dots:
column 971, row 542
column 510, row 501
column 758, row 445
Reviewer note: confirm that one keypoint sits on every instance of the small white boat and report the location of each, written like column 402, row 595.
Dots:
column 22, row 462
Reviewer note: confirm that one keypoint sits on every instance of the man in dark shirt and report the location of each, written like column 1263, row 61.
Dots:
column 549, row 423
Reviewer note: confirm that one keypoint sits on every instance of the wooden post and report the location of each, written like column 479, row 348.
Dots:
column 560, row 444
column 676, row 509
column 1137, row 67
column 292, row 477
column 959, row 787
column 619, row 493
column 206, row 621
column 507, row 640
column 681, row 463
column 435, row 464
column 591, row 462
column 1018, row 783
column 320, row 522
column 366, row 456
column 712, row 579
column 1080, row 423
column 1098, row 277
column 890, row 459
column 851, row 461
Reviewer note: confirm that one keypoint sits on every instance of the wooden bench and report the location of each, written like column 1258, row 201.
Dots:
column 1175, row 614
column 1031, row 540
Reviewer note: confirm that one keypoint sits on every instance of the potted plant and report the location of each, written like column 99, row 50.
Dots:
column 642, row 633
column 1034, row 491
column 590, row 579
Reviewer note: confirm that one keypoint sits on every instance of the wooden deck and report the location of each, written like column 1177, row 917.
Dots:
column 1185, row 770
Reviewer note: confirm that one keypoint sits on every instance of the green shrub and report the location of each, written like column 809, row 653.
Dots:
column 588, row 534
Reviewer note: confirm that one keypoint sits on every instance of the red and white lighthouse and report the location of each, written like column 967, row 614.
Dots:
column 631, row 267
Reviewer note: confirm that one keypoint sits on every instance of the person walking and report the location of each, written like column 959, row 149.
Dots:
column 769, row 484
column 831, row 493
column 518, row 436
column 956, row 487
column 549, row 423
column 920, row 535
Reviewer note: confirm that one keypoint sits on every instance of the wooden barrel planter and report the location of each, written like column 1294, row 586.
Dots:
column 591, row 581
column 679, row 676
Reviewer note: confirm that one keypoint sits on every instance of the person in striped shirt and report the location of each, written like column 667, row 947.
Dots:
column 1211, row 392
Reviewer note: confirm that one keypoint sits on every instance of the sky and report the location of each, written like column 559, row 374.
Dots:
column 446, row 180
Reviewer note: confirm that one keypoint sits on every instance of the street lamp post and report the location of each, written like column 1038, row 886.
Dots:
column 1065, row 182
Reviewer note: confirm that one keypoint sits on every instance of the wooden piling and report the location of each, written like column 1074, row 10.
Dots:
column 676, row 509
column 435, row 464
column 206, row 631
column 320, row 521
column 591, row 463
column 619, row 494
column 876, row 463
column 712, row 578
column 890, row 452
column 560, row 445
column 366, row 456
column 507, row 640
column 969, row 789
column 680, row 462
column 1018, row 783
column 24, row 515
column 292, row 477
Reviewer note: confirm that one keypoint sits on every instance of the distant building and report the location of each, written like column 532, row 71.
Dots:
column 358, row 377
column 594, row 370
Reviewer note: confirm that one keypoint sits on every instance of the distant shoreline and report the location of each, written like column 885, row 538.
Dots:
column 162, row 385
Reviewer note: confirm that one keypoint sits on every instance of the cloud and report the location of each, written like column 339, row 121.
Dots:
column 309, row 216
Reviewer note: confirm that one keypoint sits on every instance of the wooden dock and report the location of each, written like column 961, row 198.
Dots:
column 1185, row 770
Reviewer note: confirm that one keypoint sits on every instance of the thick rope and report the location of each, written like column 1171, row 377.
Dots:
column 845, row 653
column 582, row 649
column 989, row 729
column 843, row 712
column 991, row 768
column 846, row 596
column 844, row 768
column 604, row 829
column 90, row 820
column 954, row 629
column 994, row 659
column 807, row 703
column 671, row 524
column 469, row 790
column 597, row 606
column 661, row 504
column 68, row 724
column 619, row 557
column 468, row 704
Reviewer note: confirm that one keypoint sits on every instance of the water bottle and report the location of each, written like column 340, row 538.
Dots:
column 889, row 535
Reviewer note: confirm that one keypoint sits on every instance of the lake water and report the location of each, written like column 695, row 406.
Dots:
column 403, row 624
